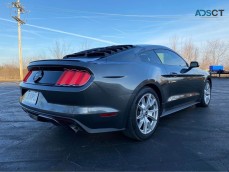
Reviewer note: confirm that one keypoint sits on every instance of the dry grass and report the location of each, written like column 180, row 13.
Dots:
column 10, row 73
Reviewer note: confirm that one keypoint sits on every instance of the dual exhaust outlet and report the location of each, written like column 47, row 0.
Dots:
column 71, row 125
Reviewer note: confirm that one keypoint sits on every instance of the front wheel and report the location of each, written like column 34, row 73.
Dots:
column 206, row 95
column 144, row 115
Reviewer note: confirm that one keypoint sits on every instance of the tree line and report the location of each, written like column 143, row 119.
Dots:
column 212, row 52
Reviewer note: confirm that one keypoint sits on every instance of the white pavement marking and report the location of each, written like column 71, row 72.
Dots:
column 9, row 92
column 3, row 83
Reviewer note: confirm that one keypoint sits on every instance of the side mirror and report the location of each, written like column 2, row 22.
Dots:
column 194, row 64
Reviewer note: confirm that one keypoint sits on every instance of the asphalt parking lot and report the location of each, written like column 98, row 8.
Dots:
column 193, row 139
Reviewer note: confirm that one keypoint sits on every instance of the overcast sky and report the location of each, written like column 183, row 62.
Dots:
column 106, row 22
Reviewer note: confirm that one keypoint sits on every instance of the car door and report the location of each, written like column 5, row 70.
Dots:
column 178, row 90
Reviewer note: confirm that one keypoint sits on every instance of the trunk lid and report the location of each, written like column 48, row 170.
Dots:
column 47, row 72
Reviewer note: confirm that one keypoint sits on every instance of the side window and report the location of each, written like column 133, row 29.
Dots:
column 149, row 56
column 170, row 58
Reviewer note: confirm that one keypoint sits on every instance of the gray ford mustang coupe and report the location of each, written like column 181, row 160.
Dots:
column 117, row 88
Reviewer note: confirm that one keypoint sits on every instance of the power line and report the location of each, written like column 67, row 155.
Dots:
column 64, row 32
column 110, row 14
column 20, row 10
column 73, row 34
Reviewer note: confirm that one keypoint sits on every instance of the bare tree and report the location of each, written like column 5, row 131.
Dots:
column 174, row 43
column 84, row 46
column 214, row 53
column 27, row 60
column 189, row 50
column 60, row 49
column 185, row 47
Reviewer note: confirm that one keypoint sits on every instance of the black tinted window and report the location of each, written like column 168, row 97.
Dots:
column 170, row 58
column 149, row 56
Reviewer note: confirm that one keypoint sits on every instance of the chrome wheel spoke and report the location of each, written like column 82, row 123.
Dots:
column 140, row 123
column 148, row 101
column 153, row 118
column 207, row 99
column 145, row 127
column 143, row 103
column 140, row 116
column 152, row 114
column 152, row 102
column 141, row 107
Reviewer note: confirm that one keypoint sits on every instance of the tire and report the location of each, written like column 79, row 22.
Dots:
column 206, row 95
column 144, row 115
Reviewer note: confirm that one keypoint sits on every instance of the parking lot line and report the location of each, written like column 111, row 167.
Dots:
column 9, row 92
column 3, row 83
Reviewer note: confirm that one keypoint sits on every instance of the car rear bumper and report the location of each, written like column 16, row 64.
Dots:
column 93, row 119
column 91, row 123
column 84, row 106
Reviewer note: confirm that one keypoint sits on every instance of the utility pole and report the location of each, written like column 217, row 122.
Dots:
column 20, row 10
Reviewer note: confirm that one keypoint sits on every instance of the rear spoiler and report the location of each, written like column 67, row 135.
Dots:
column 44, row 64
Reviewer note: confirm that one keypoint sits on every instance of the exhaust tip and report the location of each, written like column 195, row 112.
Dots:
column 48, row 119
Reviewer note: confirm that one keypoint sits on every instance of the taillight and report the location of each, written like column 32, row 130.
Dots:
column 27, row 76
column 73, row 78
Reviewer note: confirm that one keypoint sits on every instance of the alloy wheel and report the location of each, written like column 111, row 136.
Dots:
column 147, row 113
column 207, row 93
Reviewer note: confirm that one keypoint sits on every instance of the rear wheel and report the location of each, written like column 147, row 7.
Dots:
column 206, row 95
column 144, row 115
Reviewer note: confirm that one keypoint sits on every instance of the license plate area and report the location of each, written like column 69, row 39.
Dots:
column 31, row 97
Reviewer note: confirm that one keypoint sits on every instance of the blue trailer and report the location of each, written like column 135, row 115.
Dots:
column 217, row 69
